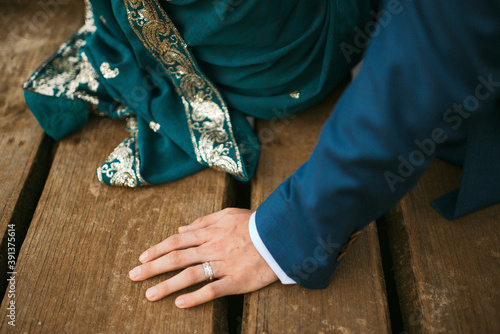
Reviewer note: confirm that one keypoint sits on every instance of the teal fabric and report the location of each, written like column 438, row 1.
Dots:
column 480, row 177
column 258, row 51
column 58, row 117
column 267, row 59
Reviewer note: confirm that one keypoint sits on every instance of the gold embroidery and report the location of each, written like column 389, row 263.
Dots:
column 89, row 25
column 154, row 126
column 123, row 164
column 107, row 72
column 123, row 111
column 208, row 121
column 295, row 94
column 64, row 74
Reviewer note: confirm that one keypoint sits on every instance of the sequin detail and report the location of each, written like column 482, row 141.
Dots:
column 122, row 167
column 107, row 72
column 124, row 112
column 68, row 73
column 295, row 94
column 89, row 25
column 154, row 126
column 207, row 114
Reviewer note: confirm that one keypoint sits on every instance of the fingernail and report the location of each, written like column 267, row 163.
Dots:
column 179, row 302
column 143, row 256
column 151, row 293
column 135, row 272
column 183, row 228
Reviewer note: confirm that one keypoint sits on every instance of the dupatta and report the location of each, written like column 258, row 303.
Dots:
column 131, row 61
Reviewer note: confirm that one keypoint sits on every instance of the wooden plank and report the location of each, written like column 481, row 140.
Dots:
column 23, row 47
column 447, row 272
column 355, row 301
column 72, row 273
column 21, row 51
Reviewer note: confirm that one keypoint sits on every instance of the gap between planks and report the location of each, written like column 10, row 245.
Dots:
column 72, row 273
column 355, row 300
column 25, row 150
column 447, row 272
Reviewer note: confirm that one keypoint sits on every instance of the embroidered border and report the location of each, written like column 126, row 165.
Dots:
column 122, row 167
column 207, row 114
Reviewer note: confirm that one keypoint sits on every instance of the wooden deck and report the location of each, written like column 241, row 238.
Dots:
column 75, row 240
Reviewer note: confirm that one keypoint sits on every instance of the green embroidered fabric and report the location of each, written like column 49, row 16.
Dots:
column 143, row 61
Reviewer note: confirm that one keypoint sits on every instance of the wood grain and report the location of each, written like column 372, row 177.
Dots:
column 355, row 301
column 24, row 45
column 447, row 272
column 72, row 273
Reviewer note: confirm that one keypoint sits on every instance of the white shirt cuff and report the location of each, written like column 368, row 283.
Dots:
column 264, row 252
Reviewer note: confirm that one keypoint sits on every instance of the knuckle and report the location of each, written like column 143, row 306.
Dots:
column 215, row 247
column 211, row 291
column 191, row 275
column 239, row 280
column 146, row 269
column 228, row 211
column 175, row 257
column 201, row 234
column 162, row 288
column 201, row 220
column 213, row 233
column 173, row 241
column 152, row 252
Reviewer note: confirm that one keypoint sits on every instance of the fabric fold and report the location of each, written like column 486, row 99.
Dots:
column 130, row 60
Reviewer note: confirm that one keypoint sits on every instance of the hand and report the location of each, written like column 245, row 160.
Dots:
column 223, row 240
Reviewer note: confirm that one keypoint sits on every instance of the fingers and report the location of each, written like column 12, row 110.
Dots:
column 204, row 221
column 223, row 236
column 186, row 278
column 174, row 242
column 209, row 292
column 172, row 261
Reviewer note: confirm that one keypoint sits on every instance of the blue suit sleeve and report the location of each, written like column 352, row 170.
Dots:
column 429, row 68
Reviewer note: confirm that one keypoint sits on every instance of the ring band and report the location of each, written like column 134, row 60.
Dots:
column 209, row 273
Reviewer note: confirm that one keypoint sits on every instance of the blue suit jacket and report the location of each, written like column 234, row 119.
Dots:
column 429, row 86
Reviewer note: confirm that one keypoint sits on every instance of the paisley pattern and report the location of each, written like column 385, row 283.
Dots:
column 122, row 168
column 207, row 114
column 68, row 74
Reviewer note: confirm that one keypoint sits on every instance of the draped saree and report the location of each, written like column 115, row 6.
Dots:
column 185, row 73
